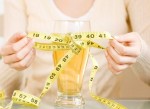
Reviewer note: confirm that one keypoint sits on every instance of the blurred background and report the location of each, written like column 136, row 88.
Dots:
column 131, row 86
column 1, row 22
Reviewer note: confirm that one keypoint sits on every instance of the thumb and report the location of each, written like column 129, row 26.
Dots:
column 16, row 37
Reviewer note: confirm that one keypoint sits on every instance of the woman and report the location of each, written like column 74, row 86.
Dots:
column 23, row 69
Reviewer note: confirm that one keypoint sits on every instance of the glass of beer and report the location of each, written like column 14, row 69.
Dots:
column 70, row 79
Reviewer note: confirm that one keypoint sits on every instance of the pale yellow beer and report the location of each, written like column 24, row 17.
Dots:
column 70, row 79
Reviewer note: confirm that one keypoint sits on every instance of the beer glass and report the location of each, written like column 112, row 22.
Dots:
column 70, row 79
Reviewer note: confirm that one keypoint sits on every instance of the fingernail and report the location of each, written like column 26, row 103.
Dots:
column 116, row 37
column 32, row 41
column 23, row 34
column 26, row 40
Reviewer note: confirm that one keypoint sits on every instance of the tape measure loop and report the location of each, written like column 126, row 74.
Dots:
column 74, row 43
column 26, row 99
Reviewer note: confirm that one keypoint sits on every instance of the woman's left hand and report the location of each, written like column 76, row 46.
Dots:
column 123, row 51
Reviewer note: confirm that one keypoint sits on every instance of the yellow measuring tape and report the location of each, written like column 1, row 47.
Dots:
column 2, row 95
column 74, row 43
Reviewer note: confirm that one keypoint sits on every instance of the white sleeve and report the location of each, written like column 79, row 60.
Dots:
column 139, row 18
column 15, row 17
column 15, row 20
column 10, row 79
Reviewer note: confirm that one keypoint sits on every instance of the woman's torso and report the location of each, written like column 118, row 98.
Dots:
column 104, row 15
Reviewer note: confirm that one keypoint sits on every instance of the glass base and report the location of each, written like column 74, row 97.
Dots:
column 69, row 100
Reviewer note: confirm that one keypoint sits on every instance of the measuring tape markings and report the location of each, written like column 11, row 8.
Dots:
column 74, row 43
column 54, row 74
column 110, row 103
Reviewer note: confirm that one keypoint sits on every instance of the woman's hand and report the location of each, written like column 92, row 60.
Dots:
column 123, row 51
column 18, row 52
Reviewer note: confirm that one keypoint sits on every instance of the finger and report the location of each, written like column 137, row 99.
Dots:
column 116, row 67
column 23, row 64
column 32, row 58
column 127, row 38
column 118, row 58
column 109, row 65
column 112, row 70
column 124, row 50
column 10, row 49
column 20, row 55
column 16, row 37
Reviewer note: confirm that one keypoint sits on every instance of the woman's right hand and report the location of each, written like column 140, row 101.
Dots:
column 18, row 52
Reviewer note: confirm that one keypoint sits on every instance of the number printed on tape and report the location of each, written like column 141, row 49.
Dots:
column 74, row 43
